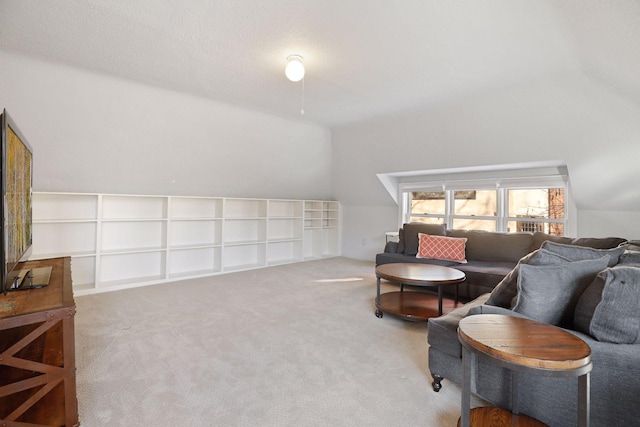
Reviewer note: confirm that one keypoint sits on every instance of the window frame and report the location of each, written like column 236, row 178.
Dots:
column 501, row 186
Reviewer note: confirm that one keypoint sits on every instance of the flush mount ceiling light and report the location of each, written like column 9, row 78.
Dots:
column 295, row 68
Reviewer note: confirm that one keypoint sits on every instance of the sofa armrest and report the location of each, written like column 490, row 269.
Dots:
column 391, row 248
column 493, row 309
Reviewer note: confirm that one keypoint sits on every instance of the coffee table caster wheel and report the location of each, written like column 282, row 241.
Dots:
column 379, row 314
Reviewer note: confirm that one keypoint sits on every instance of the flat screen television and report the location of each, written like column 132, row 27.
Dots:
column 16, row 224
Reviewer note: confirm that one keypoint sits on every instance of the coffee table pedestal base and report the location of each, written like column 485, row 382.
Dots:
column 491, row 416
column 411, row 305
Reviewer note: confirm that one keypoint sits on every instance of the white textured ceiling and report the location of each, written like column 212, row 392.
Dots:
column 364, row 58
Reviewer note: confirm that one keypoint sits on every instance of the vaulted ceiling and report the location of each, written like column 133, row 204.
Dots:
column 364, row 58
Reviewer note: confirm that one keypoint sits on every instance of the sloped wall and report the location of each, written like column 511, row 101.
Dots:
column 94, row 133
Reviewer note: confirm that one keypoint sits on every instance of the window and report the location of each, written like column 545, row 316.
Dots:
column 501, row 205
column 477, row 213
column 537, row 209
column 428, row 207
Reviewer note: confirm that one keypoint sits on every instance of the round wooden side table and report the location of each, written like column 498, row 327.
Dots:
column 522, row 345
column 414, row 305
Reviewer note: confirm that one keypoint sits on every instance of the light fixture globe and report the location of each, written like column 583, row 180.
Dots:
column 295, row 68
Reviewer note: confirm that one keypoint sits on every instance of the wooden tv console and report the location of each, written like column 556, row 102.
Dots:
column 37, row 352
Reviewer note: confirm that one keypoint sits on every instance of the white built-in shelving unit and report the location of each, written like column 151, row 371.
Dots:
column 321, row 229
column 123, row 241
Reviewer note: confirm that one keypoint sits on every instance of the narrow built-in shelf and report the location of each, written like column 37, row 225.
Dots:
column 36, row 256
column 195, row 246
column 122, row 241
column 125, row 251
column 245, row 243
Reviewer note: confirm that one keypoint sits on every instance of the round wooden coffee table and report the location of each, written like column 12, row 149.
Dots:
column 521, row 345
column 414, row 305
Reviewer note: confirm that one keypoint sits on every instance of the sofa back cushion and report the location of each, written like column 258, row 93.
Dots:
column 491, row 246
column 550, row 293
column 504, row 293
column 409, row 235
column 608, row 308
column 575, row 252
column 597, row 243
column 632, row 258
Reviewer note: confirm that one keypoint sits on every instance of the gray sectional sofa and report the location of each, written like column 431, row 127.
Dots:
column 490, row 256
column 566, row 286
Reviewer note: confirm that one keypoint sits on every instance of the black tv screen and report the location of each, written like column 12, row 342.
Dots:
column 15, row 212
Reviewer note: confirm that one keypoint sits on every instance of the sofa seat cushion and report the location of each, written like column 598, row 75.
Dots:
column 485, row 274
column 442, row 332
column 388, row 258
column 608, row 308
column 497, row 268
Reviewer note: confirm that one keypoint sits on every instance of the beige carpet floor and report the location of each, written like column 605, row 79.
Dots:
column 293, row 345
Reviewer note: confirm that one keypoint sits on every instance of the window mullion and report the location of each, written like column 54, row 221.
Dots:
column 449, row 208
column 503, row 202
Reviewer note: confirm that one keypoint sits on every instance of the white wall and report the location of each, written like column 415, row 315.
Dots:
column 569, row 118
column 94, row 133
column 364, row 236
column 608, row 223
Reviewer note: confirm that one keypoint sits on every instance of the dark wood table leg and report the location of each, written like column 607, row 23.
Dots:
column 440, row 300
column 456, row 300
column 378, row 312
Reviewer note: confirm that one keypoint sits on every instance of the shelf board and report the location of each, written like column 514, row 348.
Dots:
column 80, row 254
column 134, row 219
column 244, row 218
column 200, row 218
column 241, row 267
column 192, row 274
column 126, row 251
column 65, row 221
column 194, row 246
column 133, row 281
column 245, row 243
column 283, row 261
column 284, row 240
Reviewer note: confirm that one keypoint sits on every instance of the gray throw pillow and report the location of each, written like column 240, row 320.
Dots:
column 591, row 242
column 503, row 294
column 550, row 293
column 400, row 247
column 630, row 258
column 576, row 253
column 608, row 308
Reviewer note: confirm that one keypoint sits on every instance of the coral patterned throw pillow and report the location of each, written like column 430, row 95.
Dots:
column 441, row 247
